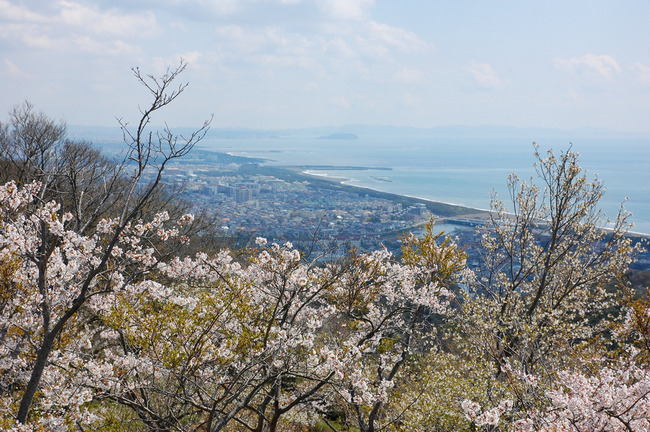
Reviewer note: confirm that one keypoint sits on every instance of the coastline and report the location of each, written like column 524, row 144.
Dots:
column 298, row 173
column 439, row 208
column 478, row 210
column 470, row 212
column 309, row 173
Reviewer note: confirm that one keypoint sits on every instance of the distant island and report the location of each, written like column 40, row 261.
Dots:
column 340, row 136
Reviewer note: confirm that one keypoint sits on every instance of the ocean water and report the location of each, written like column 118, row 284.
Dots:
column 457, row 170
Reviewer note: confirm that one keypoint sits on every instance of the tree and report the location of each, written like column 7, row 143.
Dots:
column 29, row 142
column 616, row 397
column 223, row 345
column 541, row 291
column 271, row 340
column 607, row 390
column 546, row 264
column 384, row 387
column 85, row 183
column 67, row 254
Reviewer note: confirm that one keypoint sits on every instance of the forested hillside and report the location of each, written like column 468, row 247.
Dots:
column 118, row 314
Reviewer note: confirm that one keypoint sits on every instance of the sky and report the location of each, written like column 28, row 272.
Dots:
column 277, row 64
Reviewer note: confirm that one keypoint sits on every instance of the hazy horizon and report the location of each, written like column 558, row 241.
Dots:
column 78, row 131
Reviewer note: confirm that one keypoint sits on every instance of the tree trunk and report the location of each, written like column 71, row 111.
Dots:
column 41, row 360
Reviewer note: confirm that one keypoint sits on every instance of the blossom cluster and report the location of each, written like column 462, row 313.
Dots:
column 49, row 270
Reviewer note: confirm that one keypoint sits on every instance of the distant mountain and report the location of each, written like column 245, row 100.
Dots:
column 95, row 133
column 242, row 133
column 340, row 136
column 110, row 135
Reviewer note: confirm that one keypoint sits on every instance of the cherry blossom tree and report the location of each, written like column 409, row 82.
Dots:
column 615, row 398
column 220, row 342
column 540, row 306
column 64, row 264
column 548, row 258
column 397, row 324
column 269, row 341
column 599, row 394
column 96, row 307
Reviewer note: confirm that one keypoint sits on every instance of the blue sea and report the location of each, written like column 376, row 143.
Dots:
column 460, row 170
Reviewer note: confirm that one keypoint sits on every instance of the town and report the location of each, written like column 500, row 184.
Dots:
column 307, row 211
column 322, row 217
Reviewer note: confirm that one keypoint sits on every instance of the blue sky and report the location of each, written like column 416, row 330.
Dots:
column 299, row 63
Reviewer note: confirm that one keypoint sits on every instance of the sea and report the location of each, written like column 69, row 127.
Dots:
column 464, row 170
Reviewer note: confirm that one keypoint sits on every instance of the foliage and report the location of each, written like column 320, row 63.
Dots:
column 69, row 253
column 540, row 308
column 269, row 338
column 202, row 341
column 107, row 322
column 51, row 300
column 546, row 263
column 614, row 397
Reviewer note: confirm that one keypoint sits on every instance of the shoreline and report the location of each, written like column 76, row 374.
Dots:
column 441, row 209
column 346, row 181
column 474, row 212
column 478, row 210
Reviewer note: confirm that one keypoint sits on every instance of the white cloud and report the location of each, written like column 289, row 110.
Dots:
column 345, row 9
column 239, row 39
column 68, row 26
column 484, row 74
column 13, row 71
column 380, row 42
column 191, row 57
column 338, row 46
column 603, row 66
column 219, row 7
column 27, row 34
column 269, row 50
column 643, row 73
column 401, row 39
column 12, row 12
column 110, row 22
column 408, row 75
column 112, row 47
